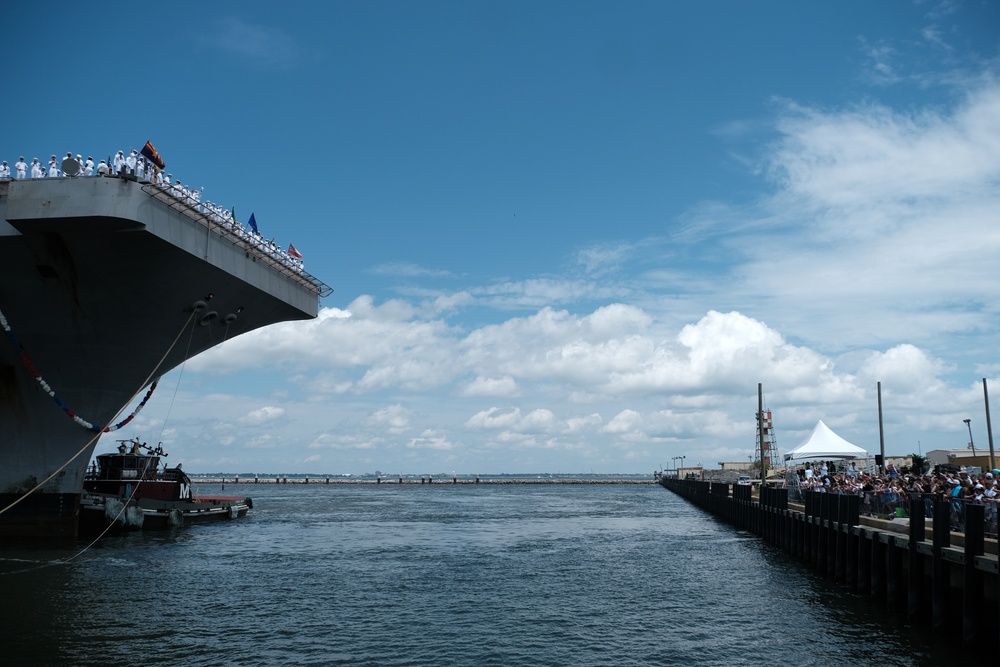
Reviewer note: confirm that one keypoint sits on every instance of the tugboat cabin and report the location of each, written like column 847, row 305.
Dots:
column 116, row 473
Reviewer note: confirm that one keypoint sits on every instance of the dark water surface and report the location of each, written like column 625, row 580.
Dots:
column 442, row 575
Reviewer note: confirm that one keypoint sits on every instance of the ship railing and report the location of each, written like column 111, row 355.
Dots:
column 234, row 233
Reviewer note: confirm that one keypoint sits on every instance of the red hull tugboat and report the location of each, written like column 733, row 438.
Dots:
column 128, row 491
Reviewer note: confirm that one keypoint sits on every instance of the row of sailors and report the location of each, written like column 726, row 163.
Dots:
column 141, row 168
column 133, row 164
column 38, row 170
column 271, row 248
column 224, row 218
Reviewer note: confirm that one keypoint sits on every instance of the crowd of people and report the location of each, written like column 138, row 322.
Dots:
column 143, row 169
column 947, row 480
column 885, row 490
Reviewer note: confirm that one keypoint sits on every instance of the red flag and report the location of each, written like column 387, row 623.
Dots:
column 150, row 153
column 292, row 252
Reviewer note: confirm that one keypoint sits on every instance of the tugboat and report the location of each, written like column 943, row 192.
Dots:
column 126, row 490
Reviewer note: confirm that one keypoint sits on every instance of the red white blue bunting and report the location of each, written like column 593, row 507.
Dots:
column 26, row 360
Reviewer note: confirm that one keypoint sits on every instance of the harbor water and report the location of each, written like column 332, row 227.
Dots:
column 442, row 575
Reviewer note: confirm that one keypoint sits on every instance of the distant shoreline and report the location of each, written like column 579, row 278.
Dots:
column 409, row 481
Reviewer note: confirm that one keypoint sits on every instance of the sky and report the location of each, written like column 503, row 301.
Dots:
column 564, row 236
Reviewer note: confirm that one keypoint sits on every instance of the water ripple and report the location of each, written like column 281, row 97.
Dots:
column 488, row 575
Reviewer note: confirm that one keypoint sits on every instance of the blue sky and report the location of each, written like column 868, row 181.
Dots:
column 564, row 236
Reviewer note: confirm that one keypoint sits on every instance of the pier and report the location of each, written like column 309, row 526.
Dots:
column 944, row 581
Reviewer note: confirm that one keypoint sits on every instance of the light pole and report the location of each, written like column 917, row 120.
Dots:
column 682, row 463
column 971, row 443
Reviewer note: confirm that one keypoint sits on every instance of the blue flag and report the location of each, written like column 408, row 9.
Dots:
column 253, row 224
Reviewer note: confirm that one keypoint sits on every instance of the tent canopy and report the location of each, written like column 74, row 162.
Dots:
column 823, row 443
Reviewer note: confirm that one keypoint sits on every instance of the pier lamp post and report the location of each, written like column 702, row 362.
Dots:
column 682, row 463
column 972, row 444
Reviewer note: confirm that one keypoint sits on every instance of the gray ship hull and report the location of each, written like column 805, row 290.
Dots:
column 106, row 283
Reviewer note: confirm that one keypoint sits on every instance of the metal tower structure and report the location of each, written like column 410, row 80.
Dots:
column 767, row 445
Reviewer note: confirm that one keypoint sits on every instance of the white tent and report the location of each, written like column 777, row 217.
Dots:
column 823, row 443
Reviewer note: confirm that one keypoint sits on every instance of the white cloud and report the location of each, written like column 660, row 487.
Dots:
column 343, row 441
column 494, row 418
column 882, row 217
column 542, row 292
column 600, row 259
column 409, row 270
column 879, row 68
column 623, row 422
column 263, row 415
column 903, row 365
column 430, row 439
column 266, row 46
column 497, row 387
column 394, row 419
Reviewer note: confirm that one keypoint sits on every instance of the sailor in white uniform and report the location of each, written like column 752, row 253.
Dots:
column 88, row 167
column 21, row 167
column 118, row 162
column 130, row 163
column 103, row 169
column 4, row 170
column 37, row 171
column 53, row 167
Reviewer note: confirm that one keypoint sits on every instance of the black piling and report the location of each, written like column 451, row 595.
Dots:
column 939, row 587
column 916, row 603
column 975, row 544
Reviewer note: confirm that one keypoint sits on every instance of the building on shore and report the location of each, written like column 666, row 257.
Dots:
column 963, row 458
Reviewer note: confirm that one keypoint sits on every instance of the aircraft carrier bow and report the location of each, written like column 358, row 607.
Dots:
column 100, row 277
